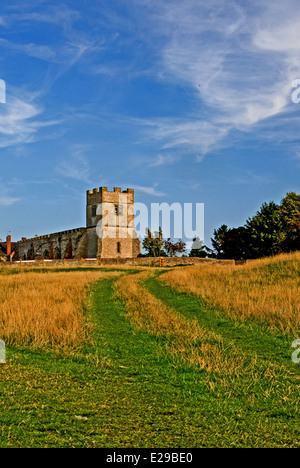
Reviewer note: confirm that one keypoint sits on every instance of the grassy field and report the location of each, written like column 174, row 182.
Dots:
column 39, row 309
column 266, row 290
column 151, row 357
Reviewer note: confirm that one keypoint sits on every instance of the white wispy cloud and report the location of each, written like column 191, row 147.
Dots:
column 65, row 54
column 76, row 166
column 66, row 47
column 164, row 160
column 20, row 121
column 250, row 178
column 23, row 117
column 296, row 157
column 33, row 50
column 5, row 198
column 28, row 14
column 238, row 61
column 186, row 135
column 148, row 190
column 8, row 201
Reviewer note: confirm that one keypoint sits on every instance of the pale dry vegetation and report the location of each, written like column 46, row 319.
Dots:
column 266, row 289
column 184, row 337
column 39, row 309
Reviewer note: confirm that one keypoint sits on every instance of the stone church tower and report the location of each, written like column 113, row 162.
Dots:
column 109, row 232
column 110, row 224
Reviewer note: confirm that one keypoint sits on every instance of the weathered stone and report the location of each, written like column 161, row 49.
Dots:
column 110, row 232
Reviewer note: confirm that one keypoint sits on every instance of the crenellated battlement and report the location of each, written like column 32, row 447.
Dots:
column 104, row 190
column 100, row 195
column 48, row 236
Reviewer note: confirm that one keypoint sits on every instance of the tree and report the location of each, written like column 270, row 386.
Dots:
column 198, row 249
column 230, row 243
column 235, row 244
column 265, row 231
column 290, row 213
column 218, row 239
column 153, row 243
column 272, row 230
column 172, row 248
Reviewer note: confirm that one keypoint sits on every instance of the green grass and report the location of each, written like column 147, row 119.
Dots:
column 16, row 271
column 128, row 391
column 279, row 270
column 251, row 336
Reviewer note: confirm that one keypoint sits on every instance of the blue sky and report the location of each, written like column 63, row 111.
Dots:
column 186, row 102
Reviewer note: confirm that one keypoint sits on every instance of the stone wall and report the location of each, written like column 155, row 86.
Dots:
column 164, row 261
column 116, row 262
column 66, row 244
column 119, row 247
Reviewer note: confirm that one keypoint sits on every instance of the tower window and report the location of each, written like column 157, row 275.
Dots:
column 118, row 210
column 118, row 247
column 94, row 210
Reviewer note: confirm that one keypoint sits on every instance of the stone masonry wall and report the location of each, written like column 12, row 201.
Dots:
column 126, row 262
column 66, row 244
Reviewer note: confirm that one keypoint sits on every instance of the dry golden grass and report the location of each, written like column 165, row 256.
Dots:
column 266, row 289
column 38, row 309
column 186, row 338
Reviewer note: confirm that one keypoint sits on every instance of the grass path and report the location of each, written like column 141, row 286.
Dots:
column 250, row 335
column 266, row 396
column 129, row 390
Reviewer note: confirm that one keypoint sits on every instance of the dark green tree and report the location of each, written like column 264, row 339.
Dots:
column 272, row 230
column 265, row 231
column 235, row 244
column 172, row 248
column 290, row 213
column 198, row 249
column 219, row 236
column 153, row 243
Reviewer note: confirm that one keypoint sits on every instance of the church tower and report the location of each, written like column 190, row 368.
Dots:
column 110, row 224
